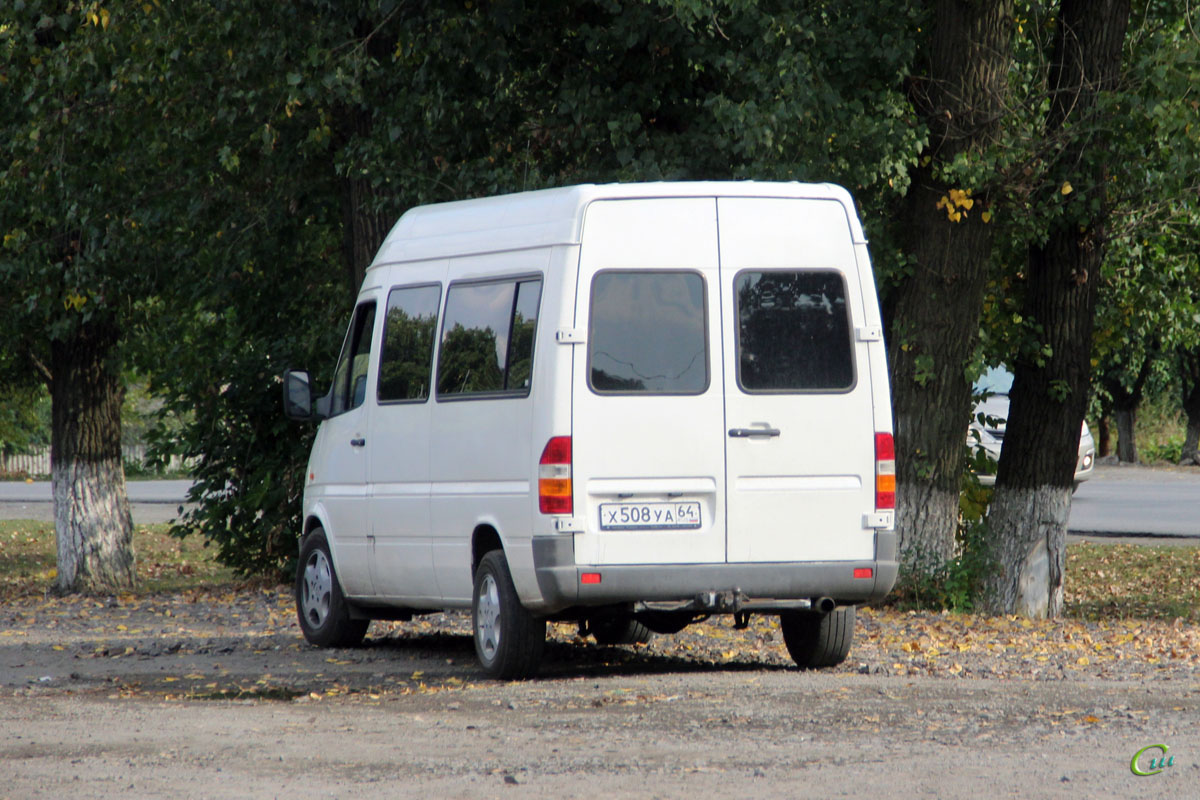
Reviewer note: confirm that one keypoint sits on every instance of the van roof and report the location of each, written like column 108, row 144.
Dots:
column 554, row 216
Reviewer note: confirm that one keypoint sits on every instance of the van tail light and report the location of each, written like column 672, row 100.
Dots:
column 554, row 477
column 885, row 471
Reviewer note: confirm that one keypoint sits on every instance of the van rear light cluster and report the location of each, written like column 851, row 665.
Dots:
column 885, row 471
column 554, row 477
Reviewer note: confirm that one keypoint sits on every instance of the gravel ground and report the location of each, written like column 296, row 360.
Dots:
column 204, row 695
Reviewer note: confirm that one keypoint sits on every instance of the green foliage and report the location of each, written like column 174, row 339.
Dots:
column 190, row 169
column 1148, row 188
column 386, row 106
column 1170, row 451
column 220, row 366
column 87, row 162
column 24, row 418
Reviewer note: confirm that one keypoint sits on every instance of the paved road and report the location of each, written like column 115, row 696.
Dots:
column 1138, row 501
column 150, row 501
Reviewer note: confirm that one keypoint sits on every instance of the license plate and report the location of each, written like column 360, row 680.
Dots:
column 657, row 516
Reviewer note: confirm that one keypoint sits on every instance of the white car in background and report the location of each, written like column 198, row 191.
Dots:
column 988, row 436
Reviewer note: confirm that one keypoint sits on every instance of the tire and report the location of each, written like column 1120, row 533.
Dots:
column 508, row 639
column 320, row 606
column 619, row 630
column 818, row 640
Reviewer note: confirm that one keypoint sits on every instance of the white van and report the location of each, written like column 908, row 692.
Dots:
column 631, row 406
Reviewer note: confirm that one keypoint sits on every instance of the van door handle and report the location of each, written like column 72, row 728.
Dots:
column 746, row 433
column 358, row 442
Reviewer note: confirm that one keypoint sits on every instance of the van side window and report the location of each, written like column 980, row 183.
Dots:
column 406, row 357
column 487, row 337
column 350, row 376
column 648, row 333
column 793, row 332
column 520, row 344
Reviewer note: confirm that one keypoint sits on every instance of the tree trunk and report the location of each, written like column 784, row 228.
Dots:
column 1191, row 407
column 92, row 522
column 1031, row 550
column 1126, row 438
column 1190, row 455
column 1103, row 436
column 366, row 215
column 1028, row 516
column 934, row 311
column 1125, row 402
column 363, row 226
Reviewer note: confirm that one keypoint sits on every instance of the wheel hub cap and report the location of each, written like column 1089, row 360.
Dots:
column 317, row 589
column 487, row 617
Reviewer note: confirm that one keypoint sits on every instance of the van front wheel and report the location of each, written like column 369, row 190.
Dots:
column 322, row 610
column 508, row 639
column 818, row 640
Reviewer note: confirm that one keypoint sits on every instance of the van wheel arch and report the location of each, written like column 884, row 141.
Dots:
column 484, row 539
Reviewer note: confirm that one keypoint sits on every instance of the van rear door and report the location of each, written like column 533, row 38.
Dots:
column 648, row 444
column 722, row 403
column 799, row 423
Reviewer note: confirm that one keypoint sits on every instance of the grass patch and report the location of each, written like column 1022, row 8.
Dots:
column 164, row 563
column 1125, row 581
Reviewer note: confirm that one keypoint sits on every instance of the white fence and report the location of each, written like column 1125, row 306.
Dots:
column 38, row 463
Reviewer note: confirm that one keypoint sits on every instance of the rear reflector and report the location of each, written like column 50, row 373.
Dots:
column 885, row 472
column 864, row 572
column 589, row 577
column 554, row 477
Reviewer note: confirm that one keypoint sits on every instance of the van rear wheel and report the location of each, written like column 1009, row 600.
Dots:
column 508, row 639
column 818, row 640
column 320, row 606
column 619, row 630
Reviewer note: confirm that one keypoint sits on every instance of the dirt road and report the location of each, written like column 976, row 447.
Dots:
column 217, row 696
column 685, row 734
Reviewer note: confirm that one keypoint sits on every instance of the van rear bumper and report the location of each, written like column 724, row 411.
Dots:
column 560, row 578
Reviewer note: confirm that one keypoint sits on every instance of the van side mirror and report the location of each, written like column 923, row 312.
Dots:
column 297, row 397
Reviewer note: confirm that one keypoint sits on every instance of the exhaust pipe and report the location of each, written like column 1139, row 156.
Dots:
column 825, row 604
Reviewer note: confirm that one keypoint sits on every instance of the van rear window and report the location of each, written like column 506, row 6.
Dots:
column 647, row 333
column 793, row 332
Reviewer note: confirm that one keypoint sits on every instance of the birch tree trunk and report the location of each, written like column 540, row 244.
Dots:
column 1028, row 515
column 92, row 522
column 934, row 311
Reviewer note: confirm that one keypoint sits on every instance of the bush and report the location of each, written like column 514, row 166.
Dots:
column 1170, row 451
